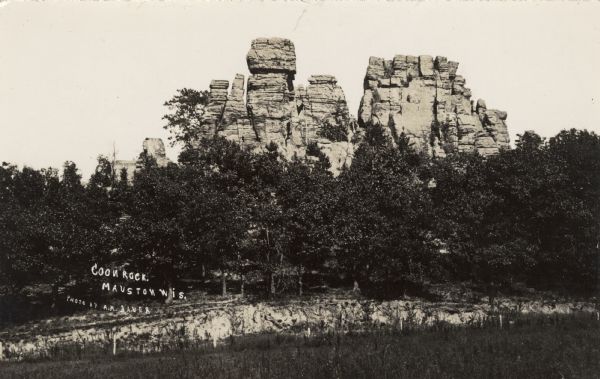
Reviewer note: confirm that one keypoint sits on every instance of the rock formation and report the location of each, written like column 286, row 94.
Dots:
column 154, row 147
column 216, row 321
column 275, row 111
column 426, row 100
column 421, row 97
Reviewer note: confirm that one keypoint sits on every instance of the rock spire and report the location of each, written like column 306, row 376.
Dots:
column 421, row 97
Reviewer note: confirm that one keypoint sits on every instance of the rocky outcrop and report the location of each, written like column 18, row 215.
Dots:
column 426, row 100
column 422, row 97
column 274, row 110
column 163, row 328
column 236, row 122
column 272, row 55
column 153, row 147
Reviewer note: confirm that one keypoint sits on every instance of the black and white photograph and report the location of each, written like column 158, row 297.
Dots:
column 300, row 189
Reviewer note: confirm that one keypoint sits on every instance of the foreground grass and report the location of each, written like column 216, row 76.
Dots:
column 540, row 347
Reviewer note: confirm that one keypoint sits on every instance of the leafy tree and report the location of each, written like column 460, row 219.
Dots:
column 184, row 121
column 69, row 229
column 152, row 235
column 266, row 213
column 529, row 141
column 524, row 215
column 104, row 175
column 337, row 127
column 48, row 226
column 305, row 197
column 572, row 227
column 382, row 213
column 20, row 195
column 472, row 218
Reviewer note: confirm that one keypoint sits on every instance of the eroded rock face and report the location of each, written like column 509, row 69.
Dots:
column 216, row 321
column 155, row 148
column 274, row 110
column 268, row 55
column 423, row 98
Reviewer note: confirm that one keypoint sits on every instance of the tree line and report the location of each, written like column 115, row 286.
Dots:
column 394, row 221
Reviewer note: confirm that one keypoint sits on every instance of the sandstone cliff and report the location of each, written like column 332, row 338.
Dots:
column 426, row 100
column 274, row 110
column 421, row 97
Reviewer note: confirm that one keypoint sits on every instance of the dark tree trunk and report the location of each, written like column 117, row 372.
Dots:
column 170, row 279
column 242, row 282
column 55, row 297
column 170, row 292
column 223, row 283
column 272, row 284
column 300, row 274
column 492, row 293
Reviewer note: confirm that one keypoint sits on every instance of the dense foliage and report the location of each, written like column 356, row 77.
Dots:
column 394, row 221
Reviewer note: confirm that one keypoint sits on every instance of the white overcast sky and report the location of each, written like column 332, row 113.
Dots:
column 77, row 76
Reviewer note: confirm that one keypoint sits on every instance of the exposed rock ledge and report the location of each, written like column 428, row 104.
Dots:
column 217, row 320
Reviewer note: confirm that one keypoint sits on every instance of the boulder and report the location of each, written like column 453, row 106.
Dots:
column 272, row 55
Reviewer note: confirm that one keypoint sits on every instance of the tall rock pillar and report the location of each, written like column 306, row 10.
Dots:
column 270, row 94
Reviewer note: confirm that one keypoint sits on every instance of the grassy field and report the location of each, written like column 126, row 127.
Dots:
column 531, row 347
